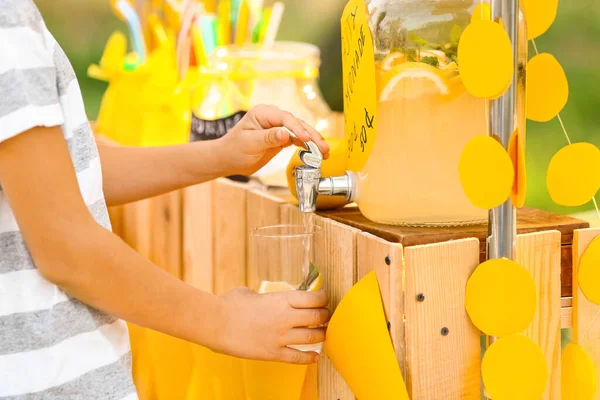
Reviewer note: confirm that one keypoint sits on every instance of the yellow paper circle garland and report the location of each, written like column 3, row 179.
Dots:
column 491, row 300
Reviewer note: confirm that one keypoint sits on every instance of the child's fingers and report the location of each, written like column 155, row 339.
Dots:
column 305, row 336
column 271, row 116
column 317, row 138
column 310, row 317
column 302, row 299
column 292, row 356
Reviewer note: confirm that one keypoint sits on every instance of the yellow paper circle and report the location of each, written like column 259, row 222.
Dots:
column 516, row 151
column 539, row 16
column 501, row 298
column 514, row 368
column 574, row 174
column 578, row 374
column 482, row 11
column 486, row 172
column 589, row 272
column 547, row 88
column 485, row 59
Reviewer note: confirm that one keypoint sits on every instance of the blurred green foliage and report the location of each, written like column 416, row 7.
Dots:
column 82, row 28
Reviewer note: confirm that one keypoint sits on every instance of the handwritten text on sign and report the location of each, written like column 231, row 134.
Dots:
column 358, row 66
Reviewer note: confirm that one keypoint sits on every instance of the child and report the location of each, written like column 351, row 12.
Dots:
column 66, row 282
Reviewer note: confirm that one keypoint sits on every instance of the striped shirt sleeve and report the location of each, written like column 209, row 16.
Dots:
column 28, row 90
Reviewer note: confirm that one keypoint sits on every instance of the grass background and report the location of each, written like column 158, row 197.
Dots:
column 82, row 28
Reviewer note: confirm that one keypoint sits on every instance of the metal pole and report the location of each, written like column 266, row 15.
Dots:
column 502, row 229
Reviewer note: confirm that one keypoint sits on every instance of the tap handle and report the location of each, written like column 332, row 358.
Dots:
column 312, row 156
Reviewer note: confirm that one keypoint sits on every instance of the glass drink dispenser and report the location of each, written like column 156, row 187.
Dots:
column 425, row 117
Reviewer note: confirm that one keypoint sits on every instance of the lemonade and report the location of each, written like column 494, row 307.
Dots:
column 425, row 118
column 266, row 380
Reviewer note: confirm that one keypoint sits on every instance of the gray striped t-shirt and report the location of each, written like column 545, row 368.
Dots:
column 51, row 345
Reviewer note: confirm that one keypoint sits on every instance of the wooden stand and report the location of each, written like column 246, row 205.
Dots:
column 201, row 235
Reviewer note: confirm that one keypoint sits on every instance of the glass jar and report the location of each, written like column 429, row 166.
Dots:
column 285, row 75
column 425, row 115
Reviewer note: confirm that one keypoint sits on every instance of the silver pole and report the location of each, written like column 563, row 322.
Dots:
column 502, row 229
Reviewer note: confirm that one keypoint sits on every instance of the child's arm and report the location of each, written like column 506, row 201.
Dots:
column 131, row 174
column 95, row 266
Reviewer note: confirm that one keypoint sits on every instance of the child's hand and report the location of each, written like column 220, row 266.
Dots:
column 260, row 326
column 258, row 137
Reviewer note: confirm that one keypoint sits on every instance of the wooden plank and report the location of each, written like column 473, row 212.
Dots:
column 529, row 221
column 230, row 235
column 136, row 226
column 262, row 210
column 291, row 215
column 566, row 317
column 586, row 321
column 166, row 232
column 566, row 273
column 335, row 254
column 540, row 254
column 441, row 364
column 198, row 236
column 387, row 259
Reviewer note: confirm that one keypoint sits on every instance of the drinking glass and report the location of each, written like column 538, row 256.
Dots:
column 282, row 259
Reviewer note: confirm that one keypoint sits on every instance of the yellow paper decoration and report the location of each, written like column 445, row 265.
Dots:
column 516, row 151
column 589, row 272
column 501, row 298
column 486, row 172
column 485, row 59
column 574, row 174
column 358, row 340
column 547, row 88
column 514, row 368
column 539, row 16
column 482, row 11
column 578, row 374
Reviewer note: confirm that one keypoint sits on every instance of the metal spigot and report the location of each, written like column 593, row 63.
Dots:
column 309, row 183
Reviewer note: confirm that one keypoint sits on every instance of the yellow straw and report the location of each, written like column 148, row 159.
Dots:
column 224, row 15
column 265, row 25
column 241, row 30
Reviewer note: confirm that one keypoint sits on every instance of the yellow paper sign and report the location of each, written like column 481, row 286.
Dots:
column 358, row 65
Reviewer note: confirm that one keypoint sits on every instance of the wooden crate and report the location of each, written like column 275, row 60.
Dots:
column 436, row 262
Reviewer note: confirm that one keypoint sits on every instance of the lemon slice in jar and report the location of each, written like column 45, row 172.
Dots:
column 412, row 80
